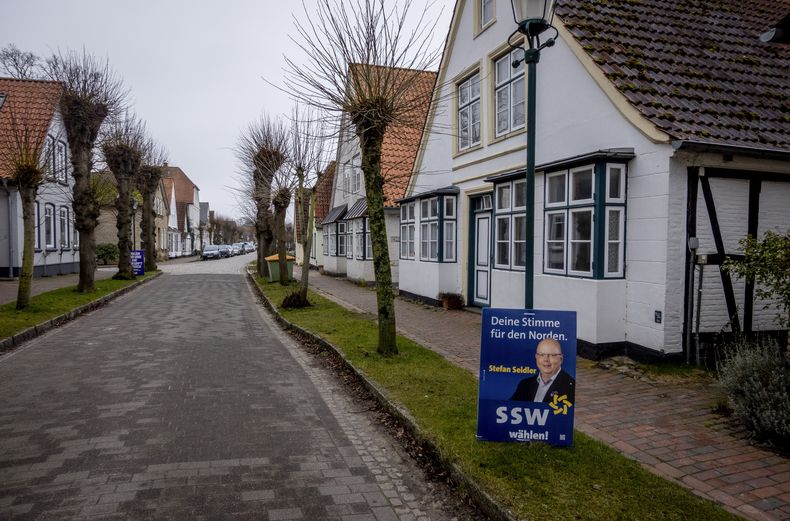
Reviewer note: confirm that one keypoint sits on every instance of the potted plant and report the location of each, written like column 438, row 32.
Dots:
column 451, row 300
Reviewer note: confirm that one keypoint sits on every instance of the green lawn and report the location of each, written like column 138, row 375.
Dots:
column 588, row 481
column 51, row 304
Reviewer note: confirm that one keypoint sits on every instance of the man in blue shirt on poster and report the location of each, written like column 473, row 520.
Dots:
column 551, row 379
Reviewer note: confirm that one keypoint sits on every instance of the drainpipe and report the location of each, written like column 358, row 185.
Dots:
column 693, row 245
column 11, row 239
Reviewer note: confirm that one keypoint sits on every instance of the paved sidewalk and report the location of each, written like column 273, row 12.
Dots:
column 668, row 428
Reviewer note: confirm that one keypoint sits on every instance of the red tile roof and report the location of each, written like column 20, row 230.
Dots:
column 402, row 141
column 323, row 194
column 698, row 71
column 185, row 188
column 26, row 110
column 168, row 183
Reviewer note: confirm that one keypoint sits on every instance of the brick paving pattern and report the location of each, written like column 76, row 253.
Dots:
column 180, row 400
column 670, row 429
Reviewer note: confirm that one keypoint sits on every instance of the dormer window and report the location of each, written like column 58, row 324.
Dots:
column 486, row 14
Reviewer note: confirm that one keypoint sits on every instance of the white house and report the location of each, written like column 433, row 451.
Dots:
column 651, row 129
column 31, row 108
column 347, row 247
column 187, row 209
column 173, row 245
column 323, row 193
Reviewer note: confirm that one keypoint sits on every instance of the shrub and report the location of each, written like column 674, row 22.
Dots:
column 755, row 376
column 107, row 252
column 451, row 300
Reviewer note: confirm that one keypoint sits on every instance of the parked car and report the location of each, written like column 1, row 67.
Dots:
column 241, row 246
column 225, row 250
column 236, row 248
column 211, row 251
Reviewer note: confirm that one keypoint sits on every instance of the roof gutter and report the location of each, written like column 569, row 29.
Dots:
column 731, row 150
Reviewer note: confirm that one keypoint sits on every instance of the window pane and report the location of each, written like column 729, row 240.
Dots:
column 556, row 189
column 502, row 110
column 520, row 194
column 475, row 124
column 613, row 258
column 582, row 226
column 582, row 185
column 615, row 181
column 580, row 256
column 411, row 212
column 519, row 240
column 517, row 55
column 517, row 88
column 555, row 256
column 503, row 197
column 424, row 209
column 449, row 207
column 474, row 87
column 503, row 240
column 503, row 70
column 486, row 11
column 614, row 225
column 556, row 227
column 463, row 93
column 434, row 207
column 449, row 241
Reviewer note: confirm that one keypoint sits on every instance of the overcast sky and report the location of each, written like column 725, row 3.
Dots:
column 194, row 69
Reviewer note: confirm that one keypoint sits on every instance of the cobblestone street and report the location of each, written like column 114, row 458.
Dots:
column 181, row 400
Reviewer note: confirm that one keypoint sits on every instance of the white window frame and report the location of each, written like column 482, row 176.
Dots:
column 502, row 199
column 346, row 181
column 517, row 243
column 571, row 241
column 63, row 215
column 448, row 251
column 512, row 86
column 61, row 163
column 359, row 239
column 548, row 177
column 50, row 239
column 429, row 229
column 369, row 244
column 332, row 239
column 562, row 241
column 482, row 6
column 619, row 243
column 620, row 198
column 341, row 239
column 325, row 233
column 570, row 185
column 499, row 241
column 37, row 226
column 356, row 169
column 407, row 229
column 467, row 104
column 350, row 239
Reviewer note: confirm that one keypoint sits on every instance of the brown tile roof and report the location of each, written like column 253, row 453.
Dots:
column 26, row 111
column 184, row 185
column 401, row 141
column 697, row 70
column 323, row 194
column 181, row 216
column 168, row 185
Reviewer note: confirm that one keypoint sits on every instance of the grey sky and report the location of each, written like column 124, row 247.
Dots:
column 194, row 69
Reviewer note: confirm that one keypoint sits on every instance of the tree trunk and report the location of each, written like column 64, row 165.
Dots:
column 147, row 231
column 86, row 215
column 281, row 252
column 371, row 138
column 307, row 246
column 28, row 246
column 123, row 205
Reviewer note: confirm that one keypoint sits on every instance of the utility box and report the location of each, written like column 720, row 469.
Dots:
column 273, row 261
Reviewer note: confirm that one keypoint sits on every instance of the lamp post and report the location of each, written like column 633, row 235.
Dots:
column 533, row 18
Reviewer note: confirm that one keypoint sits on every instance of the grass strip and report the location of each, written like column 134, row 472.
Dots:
column 588, row 481
column 46, row 306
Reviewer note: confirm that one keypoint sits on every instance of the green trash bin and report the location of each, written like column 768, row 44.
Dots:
column 274, row 267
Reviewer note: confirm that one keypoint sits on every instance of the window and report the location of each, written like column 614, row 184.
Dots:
column 486, row 12
column 584, row 221
column 60, row 162
column 359, row 238
column 49, row 157
column 509, row 93
column 407, row 231
column 429, row 229
column 469, row 112
column 49, row 226
column 350, row 239
column 332, row 239
column 346, row 180
column 37, row 225
column 326, row 240
column 510, row 235
column 64, row 227
column 357, row 172
column 448, row 253
column 341, row 239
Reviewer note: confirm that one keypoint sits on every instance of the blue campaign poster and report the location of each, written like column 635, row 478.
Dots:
column 138, row 262
column 527, row 376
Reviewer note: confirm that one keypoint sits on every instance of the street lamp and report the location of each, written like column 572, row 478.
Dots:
column 533, row 18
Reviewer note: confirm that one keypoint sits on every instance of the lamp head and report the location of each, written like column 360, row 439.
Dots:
column 532, row 16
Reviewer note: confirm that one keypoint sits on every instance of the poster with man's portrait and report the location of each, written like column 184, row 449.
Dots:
column 527, row 376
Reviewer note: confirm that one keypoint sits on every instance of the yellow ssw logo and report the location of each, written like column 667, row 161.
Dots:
column 560, row 404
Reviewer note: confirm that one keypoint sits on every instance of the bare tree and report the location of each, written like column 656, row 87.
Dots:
column 25, row 159
column 123, row 148
column 92, row 93
column 355, row 55
column 308, row 158
column 19, row 64
column 154, row 164
column 262, row 149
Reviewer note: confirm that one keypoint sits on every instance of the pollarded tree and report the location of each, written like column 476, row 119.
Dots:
column 308, row 158
column 92, row 93
column 123, row 148
column 356, row 52
column 25, row 159
column 154, row 164
column 262, row 150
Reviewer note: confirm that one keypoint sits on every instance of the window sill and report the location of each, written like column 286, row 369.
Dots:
column 481, row 30
column 505, row 137
column 469, row 150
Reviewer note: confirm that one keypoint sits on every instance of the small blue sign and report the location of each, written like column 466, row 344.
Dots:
column 138, row 262
column 527, row 376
